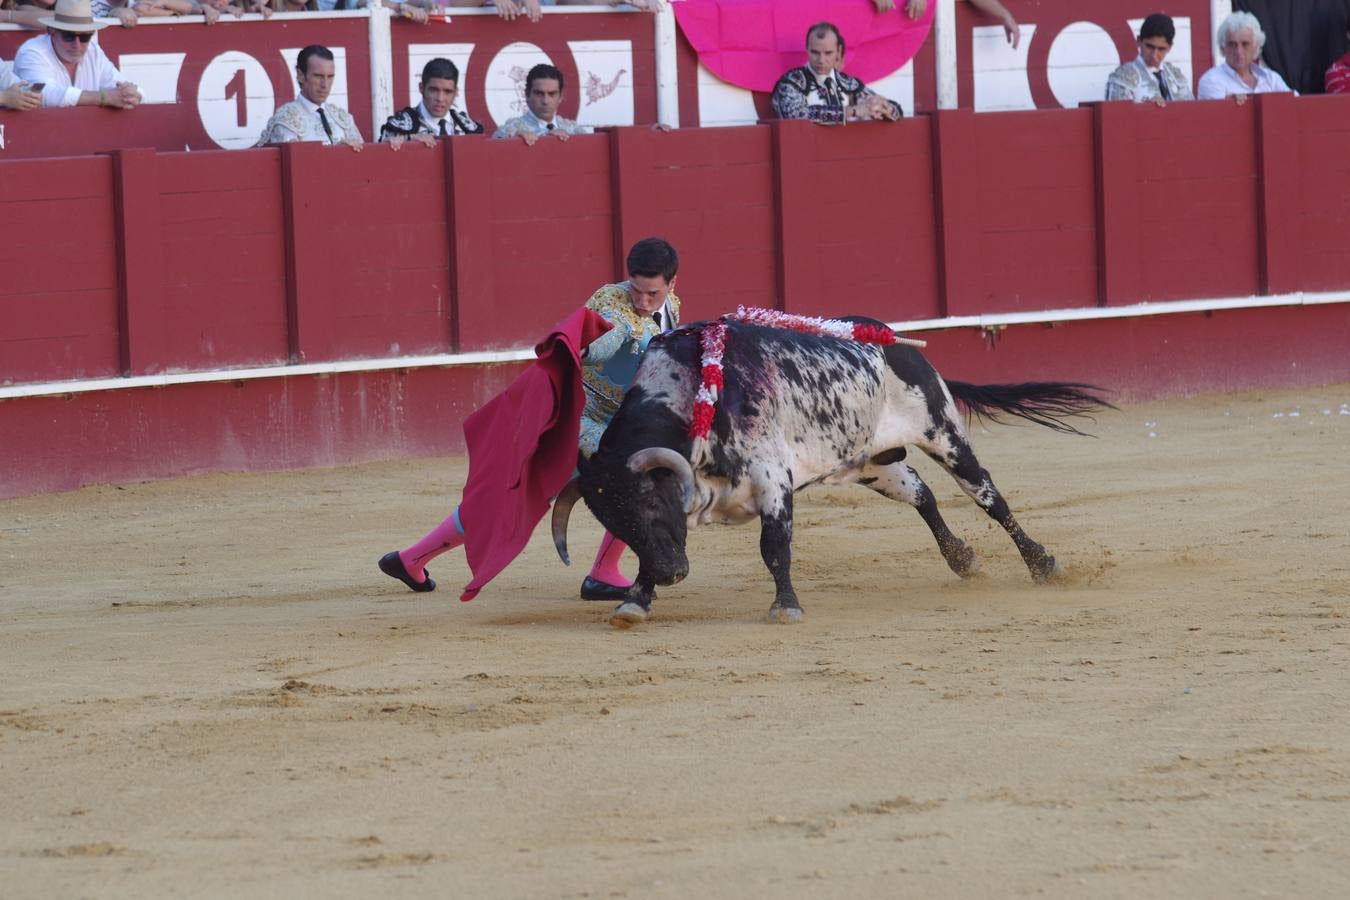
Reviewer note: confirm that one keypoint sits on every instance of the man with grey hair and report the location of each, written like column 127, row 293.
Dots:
column 1240, row 39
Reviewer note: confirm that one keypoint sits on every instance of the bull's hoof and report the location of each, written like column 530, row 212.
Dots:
column 626, row 615
column 1049, row 572
column 784, row 615
column 965, row 563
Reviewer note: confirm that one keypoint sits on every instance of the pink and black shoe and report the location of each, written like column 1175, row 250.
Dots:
column 391, row 564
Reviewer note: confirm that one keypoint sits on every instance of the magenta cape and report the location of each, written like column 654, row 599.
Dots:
column 751, row 43
column 523, row 449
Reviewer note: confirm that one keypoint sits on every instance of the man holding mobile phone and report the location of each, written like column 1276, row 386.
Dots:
column 69, row 64
column 17, row 94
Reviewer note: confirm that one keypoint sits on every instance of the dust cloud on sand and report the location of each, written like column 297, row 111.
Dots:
column 207, row 688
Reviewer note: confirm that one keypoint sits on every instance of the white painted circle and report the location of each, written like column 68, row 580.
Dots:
column 219, row 103
column 505, row 79
column 1081, row 58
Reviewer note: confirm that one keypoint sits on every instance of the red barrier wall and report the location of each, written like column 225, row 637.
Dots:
column 62, row 442
column 58, row 299
column 203, row 261
column 198, row 261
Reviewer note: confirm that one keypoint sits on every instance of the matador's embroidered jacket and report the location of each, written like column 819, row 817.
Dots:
column 611, row 361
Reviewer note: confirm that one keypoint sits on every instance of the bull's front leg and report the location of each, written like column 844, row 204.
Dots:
column 775, row 545
column 637, row 603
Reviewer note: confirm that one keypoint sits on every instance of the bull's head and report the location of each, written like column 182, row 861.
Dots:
column 644, row 503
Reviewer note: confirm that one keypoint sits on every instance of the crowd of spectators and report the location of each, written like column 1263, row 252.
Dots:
column 127, row 12
column 66, row 67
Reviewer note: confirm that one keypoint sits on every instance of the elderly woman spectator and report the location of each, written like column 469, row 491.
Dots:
column 1240, row 40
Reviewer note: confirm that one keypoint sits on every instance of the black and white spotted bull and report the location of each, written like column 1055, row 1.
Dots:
column 796, row 409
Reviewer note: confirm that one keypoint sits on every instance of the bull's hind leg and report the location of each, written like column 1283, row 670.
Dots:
column 955, row 454
column 898, row 481
column 775, row 546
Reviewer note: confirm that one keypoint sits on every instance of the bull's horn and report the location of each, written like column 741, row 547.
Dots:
column 665, row 458
column 562, row 511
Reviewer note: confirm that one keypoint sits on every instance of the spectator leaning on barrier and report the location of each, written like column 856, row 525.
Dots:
column 820, row 92
column 240, row 8
column 533, row 9
column 413, row 10
column 1240, row 40
column 29, row 17
column 129, row 12
column 310, row 117
column 435, row 117
column 915, row 8
column 69, row 63
column 1338, row 76
column 1148, row 77
column 543, row 96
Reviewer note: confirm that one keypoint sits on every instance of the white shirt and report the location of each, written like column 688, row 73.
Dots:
column 1223, row 81
column 7, row 77
column 434, row 123
column 37, row 62
column 818, row 97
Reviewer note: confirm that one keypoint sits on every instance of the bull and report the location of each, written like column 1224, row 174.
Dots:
column 796, row 409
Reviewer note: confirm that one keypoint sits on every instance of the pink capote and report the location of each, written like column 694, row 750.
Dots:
column 750, row 43
column 523, row 449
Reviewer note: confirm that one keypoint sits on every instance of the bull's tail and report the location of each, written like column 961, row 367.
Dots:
column 1046, row 403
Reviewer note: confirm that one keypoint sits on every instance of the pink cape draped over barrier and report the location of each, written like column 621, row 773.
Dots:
column 751, row 43
column 523, row 450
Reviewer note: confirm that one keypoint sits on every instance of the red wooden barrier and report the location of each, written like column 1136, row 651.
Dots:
column 58, row 270
column 711, row 193
column 858, row 235
column 534, row 233
column 1308, row 179
column 223, row 259
column 1036, row 221
column 142, row 263
column 209, row 260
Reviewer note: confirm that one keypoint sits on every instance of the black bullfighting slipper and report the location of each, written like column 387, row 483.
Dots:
column 391, row 564
column 595, row 589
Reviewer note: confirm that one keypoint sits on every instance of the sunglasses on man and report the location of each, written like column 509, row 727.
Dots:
column 83, row 37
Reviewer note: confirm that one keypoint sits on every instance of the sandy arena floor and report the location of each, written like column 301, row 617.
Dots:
column 207, row 689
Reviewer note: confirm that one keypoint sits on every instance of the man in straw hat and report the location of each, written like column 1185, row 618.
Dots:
column 69, row 63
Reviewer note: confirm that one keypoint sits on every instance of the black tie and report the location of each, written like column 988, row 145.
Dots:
column 327, row 129
column 656, row 317
column 1162, row 86
column 444, row 133
column 549, row 126
column 830, row 96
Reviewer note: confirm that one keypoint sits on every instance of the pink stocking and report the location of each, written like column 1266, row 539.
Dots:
column 606, row 565
column 445, row 536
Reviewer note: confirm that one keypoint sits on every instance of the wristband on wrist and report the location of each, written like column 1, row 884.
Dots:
column 102, row 98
